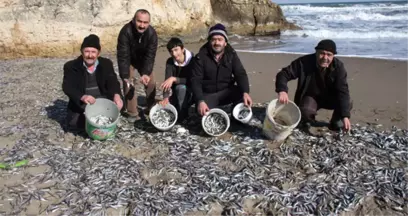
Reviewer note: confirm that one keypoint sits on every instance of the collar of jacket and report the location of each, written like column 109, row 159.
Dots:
column 137, row 35
column 207, row 50
column 95, row 66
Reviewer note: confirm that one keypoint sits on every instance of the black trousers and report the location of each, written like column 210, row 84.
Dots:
column 231, row 95
column 76, row 120
column 310, row 105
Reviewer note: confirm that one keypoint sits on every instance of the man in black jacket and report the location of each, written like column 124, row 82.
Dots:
column 89, row 77
column 216, row 69
column 136, row 49
column 176, row 88
column 322, row 83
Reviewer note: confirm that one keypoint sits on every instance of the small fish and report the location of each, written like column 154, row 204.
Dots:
column 243, row 113
column 215, row 123
column 163, row 118
column 101, row 120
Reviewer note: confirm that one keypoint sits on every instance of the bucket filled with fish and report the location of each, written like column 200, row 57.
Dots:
column 242, row 113
column 280, row 120
column 215, row 122
column 163, row 117
column 101, row 119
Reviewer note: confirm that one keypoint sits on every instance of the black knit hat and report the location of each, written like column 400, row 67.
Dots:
column 91, row 41
column 327, row 45
column 218, row 29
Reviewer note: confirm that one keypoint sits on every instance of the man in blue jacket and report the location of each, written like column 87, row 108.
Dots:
column 218, row 77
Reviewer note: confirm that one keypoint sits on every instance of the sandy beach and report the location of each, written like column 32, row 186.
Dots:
column 32, row 108
column 378, row 87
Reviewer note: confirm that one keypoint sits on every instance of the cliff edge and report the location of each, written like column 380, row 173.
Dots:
column 52, row 28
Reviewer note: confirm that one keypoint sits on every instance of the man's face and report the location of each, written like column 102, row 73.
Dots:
column 218, row 43
column 90, row 55
column 177, row 53
column 324, row 58
column 142, row 21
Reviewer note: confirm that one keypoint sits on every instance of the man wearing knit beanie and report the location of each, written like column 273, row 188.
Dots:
column 218, row 77
column 86, row 78
column 322, row 83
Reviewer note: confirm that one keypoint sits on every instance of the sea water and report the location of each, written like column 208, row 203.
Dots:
column 375, row 30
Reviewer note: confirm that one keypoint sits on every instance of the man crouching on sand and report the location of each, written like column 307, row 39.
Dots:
column 88, row 77
column 216, row 69
column 322, row 83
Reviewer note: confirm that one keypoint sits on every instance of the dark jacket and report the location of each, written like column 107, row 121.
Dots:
column 303, row 69
column 136, row 49
column 74, row 81
column 208, row 76
column 182, row 74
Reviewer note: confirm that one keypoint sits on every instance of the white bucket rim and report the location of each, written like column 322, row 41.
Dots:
column 167, row 107
column 88, row 120
column 236, row 110
column 276, row 101
column 223, row 113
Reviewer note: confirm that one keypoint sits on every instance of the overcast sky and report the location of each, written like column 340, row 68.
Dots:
column 322, row 1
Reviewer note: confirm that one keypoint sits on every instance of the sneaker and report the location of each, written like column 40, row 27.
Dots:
column 133, row 119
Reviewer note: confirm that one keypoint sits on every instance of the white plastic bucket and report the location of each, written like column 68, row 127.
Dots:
column 280, row 120
column 215, row 110
column 167, row 107
column 237, row 109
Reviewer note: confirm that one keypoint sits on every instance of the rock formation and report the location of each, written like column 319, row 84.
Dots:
column 51, row 28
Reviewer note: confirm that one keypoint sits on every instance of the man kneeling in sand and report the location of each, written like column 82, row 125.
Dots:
column 216, row 69
column 178, row 70
column 322, row 83
column 88, row 77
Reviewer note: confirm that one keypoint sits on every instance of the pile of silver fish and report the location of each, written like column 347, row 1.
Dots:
column 215, row 123
column 243, row 113
column 186, row 173
column 163, row 118
column 140, row 172
column 101, row 120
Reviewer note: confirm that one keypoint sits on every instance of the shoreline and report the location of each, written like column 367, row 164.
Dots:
column 300, row 53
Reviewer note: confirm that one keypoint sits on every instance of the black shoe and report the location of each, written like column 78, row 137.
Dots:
column 336, row 125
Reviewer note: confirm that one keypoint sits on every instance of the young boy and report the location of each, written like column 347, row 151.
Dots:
column 176, row 88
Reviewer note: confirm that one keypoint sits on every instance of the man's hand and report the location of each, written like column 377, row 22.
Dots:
column 166, row 85
column 145, row 79
column 283, row 97
column 203, row 108
column 88, row 99
column 247, row 100
column 118, row 101
column 127, row 82
column 164, row 102
column 347, row 124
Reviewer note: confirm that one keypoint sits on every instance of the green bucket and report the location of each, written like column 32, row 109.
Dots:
column 106, row 108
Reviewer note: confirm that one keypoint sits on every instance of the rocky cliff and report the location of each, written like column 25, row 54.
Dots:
column 50, row 28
